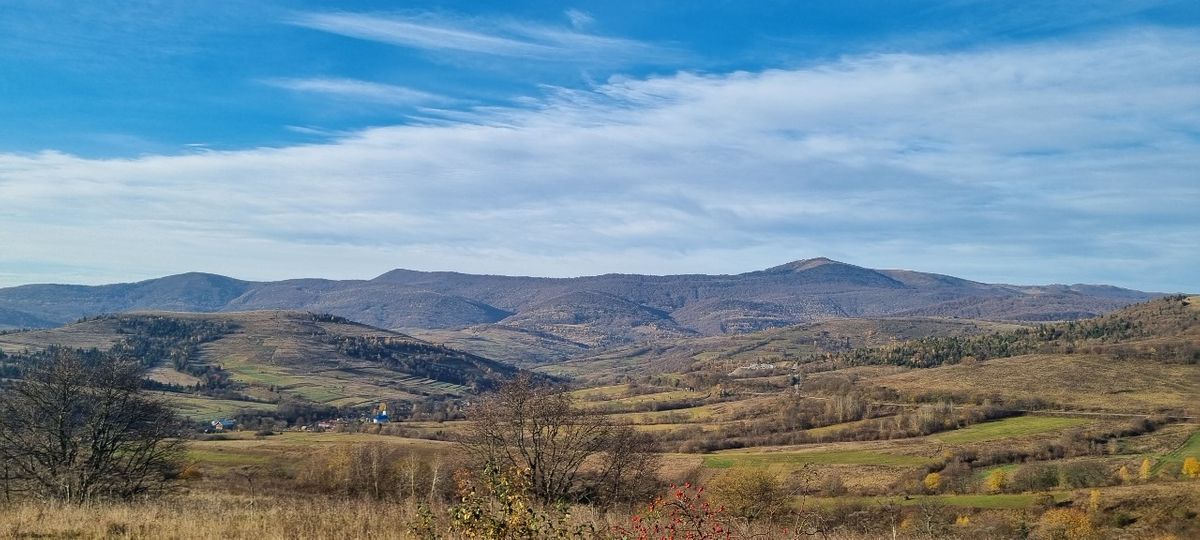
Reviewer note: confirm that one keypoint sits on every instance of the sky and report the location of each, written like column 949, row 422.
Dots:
column 1012, row 142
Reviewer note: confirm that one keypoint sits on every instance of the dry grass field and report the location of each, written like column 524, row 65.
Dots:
column 877, row 432
column 1081, row 382
column 288, row 449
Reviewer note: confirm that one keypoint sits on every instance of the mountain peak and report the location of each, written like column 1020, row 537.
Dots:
column 806, row 264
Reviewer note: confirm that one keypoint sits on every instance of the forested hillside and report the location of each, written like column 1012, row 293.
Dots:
column 552, row 317
column 259, row 360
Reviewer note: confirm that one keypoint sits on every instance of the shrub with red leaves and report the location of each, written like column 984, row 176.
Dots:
column 682, row 515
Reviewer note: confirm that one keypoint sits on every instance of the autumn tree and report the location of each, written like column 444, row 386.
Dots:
column 1124, row 475
column 996, row 481
column 932, row 481
column 537, row 429
column 1144, row 470
column 77, row 427
column 1191, row 467
column 1065, row 523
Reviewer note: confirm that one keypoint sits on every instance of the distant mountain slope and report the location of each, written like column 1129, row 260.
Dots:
column 586, row 312
column 61, row 304
column 13, row 319
column 271, row 356
column 781, row 346
column 1141, row 359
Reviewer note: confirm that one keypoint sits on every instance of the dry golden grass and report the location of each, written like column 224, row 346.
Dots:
column 1079, row 381
column 219, row 516
column 208, row 515
column 288, row 449
column 167, row 375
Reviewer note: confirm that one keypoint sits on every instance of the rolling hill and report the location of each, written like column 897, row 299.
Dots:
column 552, row 318
column 259, row 359
column 1141, row 359
column 782, row 346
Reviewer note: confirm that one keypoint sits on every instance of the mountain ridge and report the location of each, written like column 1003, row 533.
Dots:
column 588, row 311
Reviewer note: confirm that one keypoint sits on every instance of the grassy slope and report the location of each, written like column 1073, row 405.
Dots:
column 1009, row 428
column 778, row 345
column 1077, row 381
column 275, row 354
column 1173, row 460
column 288, row 449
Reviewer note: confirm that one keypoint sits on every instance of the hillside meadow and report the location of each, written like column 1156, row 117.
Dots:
column 1068, row 430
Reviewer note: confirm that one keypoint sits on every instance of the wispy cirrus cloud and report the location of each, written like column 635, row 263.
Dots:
column 357, row 90
column 504, row 38
column 1057, row 161
column 579, row 19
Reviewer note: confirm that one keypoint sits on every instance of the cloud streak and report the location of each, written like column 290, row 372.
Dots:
column 498, row 38
column 353, row 89
column 1035, row 163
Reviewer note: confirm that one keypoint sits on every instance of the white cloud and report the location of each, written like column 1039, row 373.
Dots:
column 414, row 33
column 1054, row 162
column 353, row 89
column 579, row 19
column 502, row 38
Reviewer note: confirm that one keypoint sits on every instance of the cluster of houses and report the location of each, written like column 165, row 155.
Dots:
column 222, row 424
column 379, row 415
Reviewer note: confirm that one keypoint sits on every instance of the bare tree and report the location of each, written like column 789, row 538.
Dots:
column 76, row 427
column 627, row 467
column 534, row 428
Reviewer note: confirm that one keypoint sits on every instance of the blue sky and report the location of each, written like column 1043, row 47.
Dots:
column 998, row 141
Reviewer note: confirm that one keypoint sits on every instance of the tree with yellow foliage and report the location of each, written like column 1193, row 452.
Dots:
column 1191, row 467
column 996, row 481
column 1066, row 523
column 1144, row 471
column 1124, row 475
column 1094, row 504
column 933, row 481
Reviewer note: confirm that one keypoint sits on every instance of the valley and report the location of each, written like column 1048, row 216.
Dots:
column 838, row 413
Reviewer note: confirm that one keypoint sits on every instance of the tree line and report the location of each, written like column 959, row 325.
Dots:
column 1105, row 334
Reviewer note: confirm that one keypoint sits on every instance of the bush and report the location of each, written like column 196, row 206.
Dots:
column 502, row 505
column 1085, row 474
column 752, row 494
column 683, row 514
column 1065, row 523
column 832, row 485
column 957, row 477
column 933, row 482
column 1035, row 477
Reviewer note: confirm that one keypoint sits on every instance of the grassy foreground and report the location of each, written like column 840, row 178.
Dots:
column 213, row 515
column 208, row 516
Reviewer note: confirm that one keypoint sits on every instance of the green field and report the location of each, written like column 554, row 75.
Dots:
column 1008, row 428
column 1008, row 469
column 1174, row 459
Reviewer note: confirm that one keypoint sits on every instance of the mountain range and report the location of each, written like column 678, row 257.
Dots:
column 575, row 315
